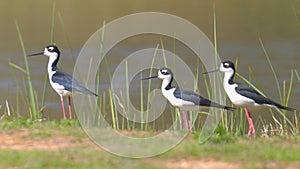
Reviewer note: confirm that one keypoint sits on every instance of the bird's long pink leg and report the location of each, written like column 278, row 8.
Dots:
column 189, row 122
column 184, row 119
column 250, row 123
column 70, row 108
column 63, row 106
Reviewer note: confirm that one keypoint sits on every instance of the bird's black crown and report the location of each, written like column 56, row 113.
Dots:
column 228, row 64
column 165, row 71
column 53, row 48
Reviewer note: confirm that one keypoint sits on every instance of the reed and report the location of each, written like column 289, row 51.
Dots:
column 232, row 123
column 31, row 102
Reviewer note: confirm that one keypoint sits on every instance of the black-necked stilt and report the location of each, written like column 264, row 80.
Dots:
column 243, row 95
column 181, row 98
column 63, row 83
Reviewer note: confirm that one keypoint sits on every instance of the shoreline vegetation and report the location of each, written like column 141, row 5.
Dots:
column 34, row 141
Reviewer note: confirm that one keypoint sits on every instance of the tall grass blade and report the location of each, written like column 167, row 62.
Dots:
column 297, row 75
column 163, row 52
column 45, row 87
column 296, row 12
column 33, row 107
column 52, row 24
column 66, row 37
column 271, row 66
column 142, row 103
column 290, row 89
column 127, row 89
column 112, row 110
column 7, row 108
column 17, row 67
column 250, row 84
column 149, row 83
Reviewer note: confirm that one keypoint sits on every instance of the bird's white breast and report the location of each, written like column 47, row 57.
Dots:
column 59, row 89
column 169, row 95
column 235, row 97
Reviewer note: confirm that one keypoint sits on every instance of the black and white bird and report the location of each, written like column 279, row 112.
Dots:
column 63, row 83
column 243, row 95
column 182, row 98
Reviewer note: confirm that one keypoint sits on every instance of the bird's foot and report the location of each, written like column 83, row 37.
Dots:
column 190, row 126
column 251, row 131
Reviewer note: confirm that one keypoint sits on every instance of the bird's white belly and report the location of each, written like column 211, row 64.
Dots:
column 60, row 89
column 236, row 98
column 168, row 94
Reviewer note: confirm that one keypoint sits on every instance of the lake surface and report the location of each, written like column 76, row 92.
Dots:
column 239, row 27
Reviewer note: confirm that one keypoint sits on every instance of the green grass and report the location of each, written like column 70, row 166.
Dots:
column 31, row 103
column 8, row 124
column 71, row 158
column 243, row 151
column 232, row 124
column 236, row 123
column 228, row 143
column 28, row 94
column 239, row 149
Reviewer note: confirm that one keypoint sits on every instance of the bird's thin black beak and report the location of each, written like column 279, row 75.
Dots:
column 35, row 54
column 211, row 71
column 147, row 78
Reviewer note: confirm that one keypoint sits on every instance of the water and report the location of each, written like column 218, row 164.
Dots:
column 239, row 26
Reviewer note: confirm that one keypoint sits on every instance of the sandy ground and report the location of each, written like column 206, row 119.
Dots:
column 22, row 139
column 200, row 164
column 29, row 139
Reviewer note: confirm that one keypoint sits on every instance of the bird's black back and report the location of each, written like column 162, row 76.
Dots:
column 249, row 92
column 69, row 83
column 195, row 98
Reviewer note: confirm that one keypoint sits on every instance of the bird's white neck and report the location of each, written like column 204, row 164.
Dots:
column 166, row 84
column 53, row 60
column 228, row 78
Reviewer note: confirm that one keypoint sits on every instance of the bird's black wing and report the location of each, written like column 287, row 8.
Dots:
column 69, row 83
column 197, row 99
column 249, row 92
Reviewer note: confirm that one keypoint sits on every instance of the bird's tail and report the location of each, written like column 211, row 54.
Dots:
column 272, row 103
column 212, row 104
column 283, row 107
column 86, row 91
column 92, row 93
